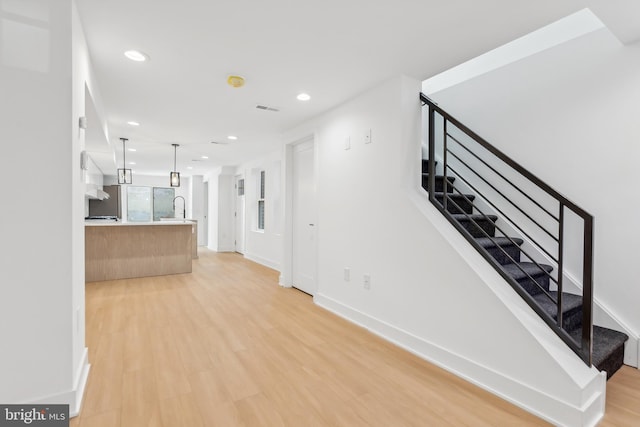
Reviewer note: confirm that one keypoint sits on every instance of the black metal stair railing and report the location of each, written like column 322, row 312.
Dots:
column 539, row 217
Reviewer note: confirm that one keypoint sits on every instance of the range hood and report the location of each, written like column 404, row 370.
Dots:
column 93, row 192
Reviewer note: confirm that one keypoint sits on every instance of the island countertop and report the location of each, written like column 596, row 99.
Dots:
column 123, row 250
column 110, row 223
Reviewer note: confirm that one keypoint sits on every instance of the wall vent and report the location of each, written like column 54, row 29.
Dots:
column 266, row 108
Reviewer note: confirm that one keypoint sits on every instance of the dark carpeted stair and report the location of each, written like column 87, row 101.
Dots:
column 477, row 225
column 439, row 183
column 535, row 279
column 504, row 249
column 608, row 348
column 457, row 203
column 425, row 165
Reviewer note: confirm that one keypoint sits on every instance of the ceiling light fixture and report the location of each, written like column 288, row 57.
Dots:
column 132, row 123
column 235, row 81
column 132, row 163
column 205, row 157
column 136, row 55
column 174, row 177
column 124, row 175
column 132, row 149
column 232, row 137
column 303, row 97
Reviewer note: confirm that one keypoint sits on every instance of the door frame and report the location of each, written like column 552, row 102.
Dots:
column 286, row 274
column 236, row 178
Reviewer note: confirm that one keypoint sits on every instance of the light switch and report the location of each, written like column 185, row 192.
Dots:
column 347, row 143
column 367, row 136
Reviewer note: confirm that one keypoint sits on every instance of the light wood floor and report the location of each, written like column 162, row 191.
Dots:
column 226, row 346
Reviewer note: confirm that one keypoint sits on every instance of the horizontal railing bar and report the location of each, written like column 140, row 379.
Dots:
column 533, row 261
column 564, row 336
column 516, row 263
column 503, row 196
column 538, row 245
column 524, row 172
column 503, row 177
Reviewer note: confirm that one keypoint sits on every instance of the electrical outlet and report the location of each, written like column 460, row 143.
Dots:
column 367, row 136
column 347, row 274
column 367, row 282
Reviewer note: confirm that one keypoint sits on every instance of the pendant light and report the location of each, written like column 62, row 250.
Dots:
column 124, row 175
column 174, row 177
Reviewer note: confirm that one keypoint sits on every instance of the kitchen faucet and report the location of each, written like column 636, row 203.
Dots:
column 184, row 206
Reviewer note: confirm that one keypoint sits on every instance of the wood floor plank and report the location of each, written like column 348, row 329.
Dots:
column 226, row 346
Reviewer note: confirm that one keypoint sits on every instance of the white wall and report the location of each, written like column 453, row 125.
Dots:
column 196, row 205
column 264, row 246
column 569, row 115
column 43, row 71
column 220, row 219
column 430, row 291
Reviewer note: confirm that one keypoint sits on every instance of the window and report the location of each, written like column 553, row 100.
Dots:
column 261, row 202
column 241, row 187
column 138, row 204
column 163, row 203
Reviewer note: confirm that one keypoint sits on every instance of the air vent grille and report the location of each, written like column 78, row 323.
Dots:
column 266, row 108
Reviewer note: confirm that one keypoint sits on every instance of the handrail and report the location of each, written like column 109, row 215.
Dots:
column 509, row 161
column 582, row 348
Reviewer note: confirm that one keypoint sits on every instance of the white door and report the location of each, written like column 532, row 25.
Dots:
column 239, row 214
column 304, row 218
column 205, row 226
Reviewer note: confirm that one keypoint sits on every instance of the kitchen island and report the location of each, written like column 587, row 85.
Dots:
column 117, row 250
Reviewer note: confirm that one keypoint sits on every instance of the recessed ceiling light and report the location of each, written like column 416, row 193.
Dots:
column 136, row 55
column 132, row 163
column 189, row 167
column 205, row 157
column 232, row 137
column 303, row 97
column 133, row 123
column 131, row 149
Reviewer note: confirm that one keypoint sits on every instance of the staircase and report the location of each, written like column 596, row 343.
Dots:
column 539, row 241
column 532, row 278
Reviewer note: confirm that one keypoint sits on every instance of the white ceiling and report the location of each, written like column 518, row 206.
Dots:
column 331, row 49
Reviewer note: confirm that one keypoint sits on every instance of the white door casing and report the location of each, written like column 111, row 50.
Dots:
column 239, row 214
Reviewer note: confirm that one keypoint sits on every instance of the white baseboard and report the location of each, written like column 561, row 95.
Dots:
column 535, row 401
column 73, row 397
column 260, row 260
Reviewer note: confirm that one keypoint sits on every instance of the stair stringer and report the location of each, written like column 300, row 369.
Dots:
column 585, row 407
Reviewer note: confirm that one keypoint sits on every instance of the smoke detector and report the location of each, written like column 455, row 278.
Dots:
column 235, row 81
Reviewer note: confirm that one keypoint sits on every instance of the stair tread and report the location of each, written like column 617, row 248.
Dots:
column 490, row 242
column 529, row 267
column 475, row 217
column 570, row 302
column 605, row 342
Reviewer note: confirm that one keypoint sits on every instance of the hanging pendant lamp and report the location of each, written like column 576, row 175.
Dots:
column 174, row 177
column 124, row 175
